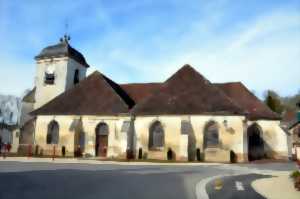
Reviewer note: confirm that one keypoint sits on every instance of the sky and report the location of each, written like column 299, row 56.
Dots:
column 254, row 42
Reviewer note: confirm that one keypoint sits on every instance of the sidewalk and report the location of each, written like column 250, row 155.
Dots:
column 95, row 161
column 278, row 187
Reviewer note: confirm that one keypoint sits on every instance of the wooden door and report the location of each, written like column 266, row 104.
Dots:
column 101, row 145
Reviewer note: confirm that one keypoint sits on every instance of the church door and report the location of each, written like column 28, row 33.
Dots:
column 101, row 140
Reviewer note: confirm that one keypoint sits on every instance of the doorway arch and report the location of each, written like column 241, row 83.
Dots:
column 101, row 145
column 255, row 143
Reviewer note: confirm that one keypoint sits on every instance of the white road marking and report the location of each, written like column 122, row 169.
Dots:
column 239, row 186
column 201, row 185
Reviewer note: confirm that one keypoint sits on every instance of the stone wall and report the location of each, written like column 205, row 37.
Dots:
column 232, row 147
column 230, row 136
column 117, row 140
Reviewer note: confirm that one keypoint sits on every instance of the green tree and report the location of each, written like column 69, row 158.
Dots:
column 273, row 101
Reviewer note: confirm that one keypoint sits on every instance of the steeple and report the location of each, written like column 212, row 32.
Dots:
column 59, row 68
column 62, row 49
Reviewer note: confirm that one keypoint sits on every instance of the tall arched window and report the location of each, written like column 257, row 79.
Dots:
column 76, row 76
column 156, row 136
column 53, row 133
column 211, row 135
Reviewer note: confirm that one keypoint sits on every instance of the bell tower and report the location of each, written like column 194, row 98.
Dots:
column 58, row 68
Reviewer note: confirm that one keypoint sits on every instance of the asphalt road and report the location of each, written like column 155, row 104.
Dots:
column 237, row 187
column 50, row 180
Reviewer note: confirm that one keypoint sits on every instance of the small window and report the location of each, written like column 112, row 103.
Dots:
column 76, row 76
column 125, row 126
column 186, row 127
column 49, row 78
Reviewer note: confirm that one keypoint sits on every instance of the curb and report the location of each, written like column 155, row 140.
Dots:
column 99, row 162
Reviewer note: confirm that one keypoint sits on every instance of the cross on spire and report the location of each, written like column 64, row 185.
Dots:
column 66, row 38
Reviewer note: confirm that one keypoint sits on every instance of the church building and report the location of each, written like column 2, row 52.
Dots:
column 186, row 117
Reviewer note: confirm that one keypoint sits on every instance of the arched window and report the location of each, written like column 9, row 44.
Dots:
column 156, row 136
column 53, row 133
column 211, row 135
column 76, row 76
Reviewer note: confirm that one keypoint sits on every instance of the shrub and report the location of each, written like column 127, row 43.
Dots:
column 295, row 174
column 297, row 183
column 296, row 177
column 145, row 156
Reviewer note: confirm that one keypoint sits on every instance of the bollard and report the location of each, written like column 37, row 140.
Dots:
column 29, row 151
column 53, row 156
column 4, row 152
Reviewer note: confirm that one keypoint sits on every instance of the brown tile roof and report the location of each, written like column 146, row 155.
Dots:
column 140, row 91
column 248, row 101
column 289, row 116
column 95, row 95
column 187, row 92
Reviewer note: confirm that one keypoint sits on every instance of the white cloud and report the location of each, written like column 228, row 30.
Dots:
column 262, row 53
column 151, row 46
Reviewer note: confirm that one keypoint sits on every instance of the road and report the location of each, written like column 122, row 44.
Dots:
column 235, row 187
column 50, row 180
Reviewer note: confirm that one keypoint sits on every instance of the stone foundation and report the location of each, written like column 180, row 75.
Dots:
column 216, row 155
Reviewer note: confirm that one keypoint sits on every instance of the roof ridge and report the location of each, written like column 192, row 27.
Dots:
column 129, row 102
column 125, row 84
column 234, row 82
column 187, row 91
